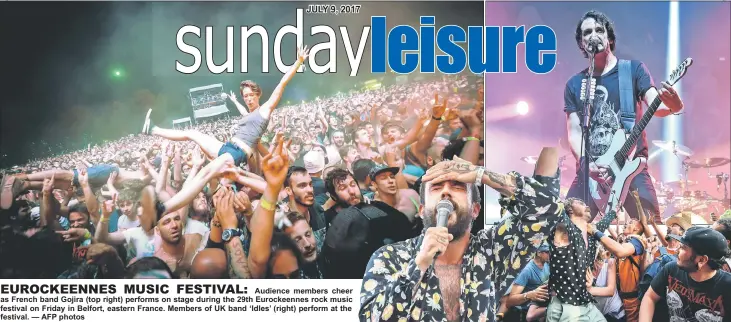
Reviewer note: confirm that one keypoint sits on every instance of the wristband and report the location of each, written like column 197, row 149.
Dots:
column 266, row 204
column 470, row 138
column 478, row 178
column 87, row 235
column 598, row 235
column 104, row 220
column 436, row 118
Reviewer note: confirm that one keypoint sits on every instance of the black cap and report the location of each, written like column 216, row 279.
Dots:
column 380, row 168
column 704, row 241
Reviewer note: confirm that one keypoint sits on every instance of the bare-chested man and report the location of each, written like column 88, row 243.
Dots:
column 383, row 182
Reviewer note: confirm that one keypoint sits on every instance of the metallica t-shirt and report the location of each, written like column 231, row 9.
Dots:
column 605, row 113
column 688, row 300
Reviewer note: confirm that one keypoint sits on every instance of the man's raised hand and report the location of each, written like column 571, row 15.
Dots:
column 455, row 170
column 275, row 164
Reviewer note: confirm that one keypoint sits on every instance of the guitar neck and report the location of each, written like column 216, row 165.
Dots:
column 637, row 131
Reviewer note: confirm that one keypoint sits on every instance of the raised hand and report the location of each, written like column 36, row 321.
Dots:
column 223, row 201
column 83, row 178
column 241, row 202
column 48, row 185
column 73, row 234
column 436, row 239
column 112, row 178
column 438, row 108
column 670, row 97
column 450, row 114
column 302, row 53
column 455, row 170
column 275, row 164
column 109, row 206
column 472, row 121
column 197, row 157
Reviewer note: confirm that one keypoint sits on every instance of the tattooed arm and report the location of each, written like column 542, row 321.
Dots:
column 466, row 172
column 238, row 263
column 503, row 183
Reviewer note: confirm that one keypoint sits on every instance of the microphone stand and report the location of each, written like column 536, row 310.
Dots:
column 585, row 155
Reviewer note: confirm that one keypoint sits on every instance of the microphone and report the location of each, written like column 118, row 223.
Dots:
column 593, row 46
column 444, row 208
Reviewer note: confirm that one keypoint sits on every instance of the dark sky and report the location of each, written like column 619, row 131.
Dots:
column 52, row 76
column 58, row 59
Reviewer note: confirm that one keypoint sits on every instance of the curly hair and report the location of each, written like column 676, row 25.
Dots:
column 567, row 205
column 601, row 19
column 335, row 177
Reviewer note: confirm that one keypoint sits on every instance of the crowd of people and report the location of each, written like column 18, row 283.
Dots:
column 351, row 186
column 268, row 194
column 207, row 98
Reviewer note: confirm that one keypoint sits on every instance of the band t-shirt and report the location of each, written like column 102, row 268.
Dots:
column 688, row 300
column 605, row 113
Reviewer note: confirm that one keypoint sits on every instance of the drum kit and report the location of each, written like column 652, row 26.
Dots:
column 677, row 196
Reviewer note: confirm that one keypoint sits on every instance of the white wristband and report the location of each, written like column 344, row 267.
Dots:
column 478, row 178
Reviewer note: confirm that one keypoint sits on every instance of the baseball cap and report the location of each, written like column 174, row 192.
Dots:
column 543, row 248
column 314, row 162
column 380, row 168
column 704, row 241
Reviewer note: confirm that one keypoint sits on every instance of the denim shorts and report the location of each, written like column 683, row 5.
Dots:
column 237, row 153
column 98, row 174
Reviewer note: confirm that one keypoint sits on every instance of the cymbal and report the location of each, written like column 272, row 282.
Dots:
column 673, row 147
column 679, row 184
column 708, row 163
column 531, row 159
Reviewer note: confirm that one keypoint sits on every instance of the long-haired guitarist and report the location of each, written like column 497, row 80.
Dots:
column 607, row 114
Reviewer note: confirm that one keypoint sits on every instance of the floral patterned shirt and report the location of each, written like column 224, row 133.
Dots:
column 393, row 291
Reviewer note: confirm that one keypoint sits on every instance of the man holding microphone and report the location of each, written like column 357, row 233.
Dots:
column 447, row 274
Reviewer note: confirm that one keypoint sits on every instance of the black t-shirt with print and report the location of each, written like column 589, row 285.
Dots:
column 605, row 114
column 688, row 300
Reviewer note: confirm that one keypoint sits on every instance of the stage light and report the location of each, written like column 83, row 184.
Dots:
column 673, row 126
column 117, row 73
column 522, row 108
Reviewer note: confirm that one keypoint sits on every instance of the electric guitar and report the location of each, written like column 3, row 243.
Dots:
column 610, row 195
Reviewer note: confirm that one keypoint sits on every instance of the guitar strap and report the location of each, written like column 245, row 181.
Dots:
column 627, row 113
